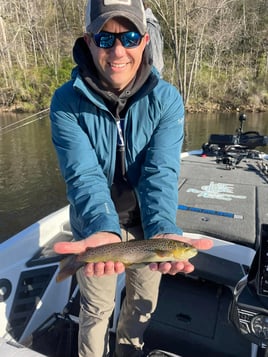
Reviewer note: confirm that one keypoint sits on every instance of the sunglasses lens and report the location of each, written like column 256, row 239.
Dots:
column 131, row 39
column 104, row 39
column 107, row 39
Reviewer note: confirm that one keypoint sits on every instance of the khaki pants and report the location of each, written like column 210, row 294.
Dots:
column 97, row 304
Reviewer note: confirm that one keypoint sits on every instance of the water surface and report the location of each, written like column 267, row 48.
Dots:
column 30, row 182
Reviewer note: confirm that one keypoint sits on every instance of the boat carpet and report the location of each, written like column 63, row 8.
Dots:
column 191, row 320
column 227, row 204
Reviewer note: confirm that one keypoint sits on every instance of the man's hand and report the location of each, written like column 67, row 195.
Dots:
column 173, row 268
column 95, row 240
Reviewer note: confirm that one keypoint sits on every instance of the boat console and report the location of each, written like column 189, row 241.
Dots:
column 249, row 311
column 231, row 149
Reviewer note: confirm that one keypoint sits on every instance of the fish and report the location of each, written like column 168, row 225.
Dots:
column 134, row 253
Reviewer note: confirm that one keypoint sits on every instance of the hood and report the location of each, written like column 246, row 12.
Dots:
column 89, row 74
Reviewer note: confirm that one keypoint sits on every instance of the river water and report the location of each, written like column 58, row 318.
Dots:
column 30, row 182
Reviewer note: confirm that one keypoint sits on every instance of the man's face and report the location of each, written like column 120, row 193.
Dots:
column 117, row 66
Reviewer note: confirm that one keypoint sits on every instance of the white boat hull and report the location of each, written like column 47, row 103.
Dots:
column 29, row 294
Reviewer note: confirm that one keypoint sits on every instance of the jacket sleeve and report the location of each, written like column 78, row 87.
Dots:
column 91, row 207
column 158, row 185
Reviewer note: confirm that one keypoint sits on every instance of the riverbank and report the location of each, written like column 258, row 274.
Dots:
column 225, row 108
column 201, row 107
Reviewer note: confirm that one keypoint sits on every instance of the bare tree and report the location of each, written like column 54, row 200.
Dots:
column 213, row 48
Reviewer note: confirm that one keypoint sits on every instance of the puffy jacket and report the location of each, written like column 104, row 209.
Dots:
column 84, row 133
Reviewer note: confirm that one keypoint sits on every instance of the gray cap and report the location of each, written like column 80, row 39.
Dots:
column 98, row 12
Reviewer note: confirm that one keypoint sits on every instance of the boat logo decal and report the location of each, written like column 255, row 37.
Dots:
column 218, row 191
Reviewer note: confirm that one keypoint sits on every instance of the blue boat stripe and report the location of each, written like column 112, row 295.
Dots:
column 208, row 211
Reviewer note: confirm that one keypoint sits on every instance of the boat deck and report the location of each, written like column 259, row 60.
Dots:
column 192, row 316
column 229, row 204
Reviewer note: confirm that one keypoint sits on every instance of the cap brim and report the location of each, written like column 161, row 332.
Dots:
column 97, row 25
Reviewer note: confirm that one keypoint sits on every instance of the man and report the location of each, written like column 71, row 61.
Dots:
column 156, row 44
column 118, row 131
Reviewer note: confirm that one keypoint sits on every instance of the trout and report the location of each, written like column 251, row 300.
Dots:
column 132, row 254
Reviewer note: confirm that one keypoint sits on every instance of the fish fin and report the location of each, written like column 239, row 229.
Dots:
column 136, row 265
column 68, row 267
column 163, row 253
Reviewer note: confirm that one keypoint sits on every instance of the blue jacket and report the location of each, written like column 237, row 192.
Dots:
column 84, row 133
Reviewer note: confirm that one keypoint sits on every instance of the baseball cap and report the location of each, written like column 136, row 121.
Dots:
column 98, row 12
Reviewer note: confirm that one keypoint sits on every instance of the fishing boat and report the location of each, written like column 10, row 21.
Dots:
column 221, row 309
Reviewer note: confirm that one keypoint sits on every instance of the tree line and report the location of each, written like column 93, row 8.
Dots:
column 216, row 52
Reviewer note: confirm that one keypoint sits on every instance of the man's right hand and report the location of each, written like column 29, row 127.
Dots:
column 95, row 240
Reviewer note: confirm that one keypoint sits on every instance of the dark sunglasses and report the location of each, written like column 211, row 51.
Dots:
column 128, row 39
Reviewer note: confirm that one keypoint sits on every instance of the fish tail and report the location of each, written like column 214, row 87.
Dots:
column 68, row 267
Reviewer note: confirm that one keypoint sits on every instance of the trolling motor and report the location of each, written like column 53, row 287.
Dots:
column 231, row 149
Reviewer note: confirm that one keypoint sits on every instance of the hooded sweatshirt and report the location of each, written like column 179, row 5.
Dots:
column 122, row 192
column 84, row 118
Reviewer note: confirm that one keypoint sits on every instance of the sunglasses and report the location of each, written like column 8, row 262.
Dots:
column 106, row 40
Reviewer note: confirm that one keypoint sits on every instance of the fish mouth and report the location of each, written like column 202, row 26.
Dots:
column 188, row 253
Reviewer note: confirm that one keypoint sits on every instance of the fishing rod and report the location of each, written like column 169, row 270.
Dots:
column 24, row 121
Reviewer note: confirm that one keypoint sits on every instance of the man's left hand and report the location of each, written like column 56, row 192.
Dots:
column 175, row 267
